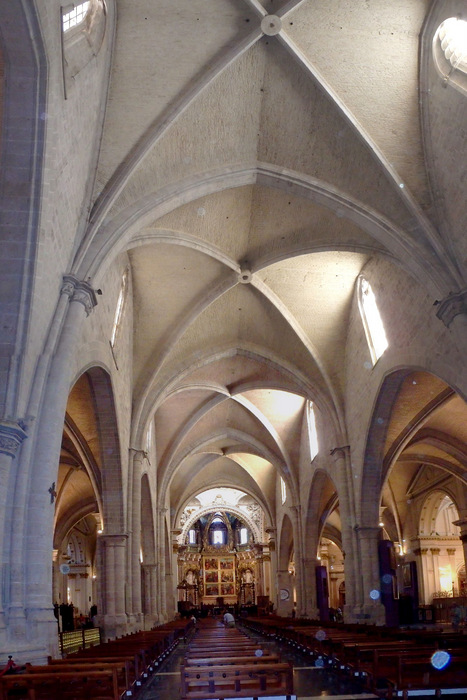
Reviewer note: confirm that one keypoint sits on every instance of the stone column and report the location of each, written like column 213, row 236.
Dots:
column 353, row 584
column 150, row 593
column 462, row 523
column 12, row 434
column 298, row 560
column 270, row 566
column 423, row 583
column 55, row 576
column 284, row 584
column 309, row 570
column 40, row 625
column 138, row 458
column 435, row 559
column 161, row 569
column 112, row 558
column 371, row 611
column 451, row 552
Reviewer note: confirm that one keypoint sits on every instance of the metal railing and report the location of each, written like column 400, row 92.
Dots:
column 70, row 642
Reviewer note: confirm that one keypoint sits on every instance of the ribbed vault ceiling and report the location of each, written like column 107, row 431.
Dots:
column 255, row 157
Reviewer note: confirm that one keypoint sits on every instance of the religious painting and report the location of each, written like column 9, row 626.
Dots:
column 227, row 563
column 406, row 575
column 212, row 589
column 212, row 576
column 227, row 576
column 227, row 589
column 210, row 563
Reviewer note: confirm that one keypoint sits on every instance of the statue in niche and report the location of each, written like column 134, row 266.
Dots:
column 247, row 576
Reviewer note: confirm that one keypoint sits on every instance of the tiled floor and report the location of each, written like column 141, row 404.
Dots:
column 309, row 682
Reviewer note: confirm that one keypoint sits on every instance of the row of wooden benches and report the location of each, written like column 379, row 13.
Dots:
column 111, row 671
column 225, row 663
column 388, row 661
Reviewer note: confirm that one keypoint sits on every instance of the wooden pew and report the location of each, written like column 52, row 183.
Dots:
column 236, row 660
column 66, row 685
column 124, row 679
column 123, row 662
column 225, row 681
column 197, row 654
column 418, row 673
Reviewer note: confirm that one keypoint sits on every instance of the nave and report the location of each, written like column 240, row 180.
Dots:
column 310, row 679
column 214, row 658
column 233, row 314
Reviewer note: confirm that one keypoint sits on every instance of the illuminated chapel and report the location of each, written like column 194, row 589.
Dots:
column 233, row 311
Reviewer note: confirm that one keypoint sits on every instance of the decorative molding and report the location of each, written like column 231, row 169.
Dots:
column 12, row 434
column 451, row 306
column 80, row 291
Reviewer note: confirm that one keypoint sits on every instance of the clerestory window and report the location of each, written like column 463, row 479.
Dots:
column 312, row 433
column 74, row 15
column 283, row 491
column 119, row 310
column 452, row 34
column 372, row 322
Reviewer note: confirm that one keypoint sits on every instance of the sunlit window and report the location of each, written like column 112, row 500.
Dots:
column 218, row 537
column 74, row 16
column 192, row 536
column 119, row 309
column 312, row 434
column 452, row 34
column 374, row 329
column 243, row 535
column 283, row 491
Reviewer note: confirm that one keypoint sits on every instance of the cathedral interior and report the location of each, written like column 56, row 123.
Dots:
column 233, row 311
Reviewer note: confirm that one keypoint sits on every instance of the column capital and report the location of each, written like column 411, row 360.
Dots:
column 340, row 452
column 117, row 540
column 451, row 552
column 80, row 291
column 367, row 530
column 149, row 567
column 435, row 550
column 12, row 435
column 451, row 306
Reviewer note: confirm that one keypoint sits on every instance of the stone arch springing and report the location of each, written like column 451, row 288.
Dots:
column 373, row 460
column 430, row 523
column 112, row 494
column 148, row 542
column 286, row 543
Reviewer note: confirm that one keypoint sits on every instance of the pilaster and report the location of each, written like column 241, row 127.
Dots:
column 12, row 435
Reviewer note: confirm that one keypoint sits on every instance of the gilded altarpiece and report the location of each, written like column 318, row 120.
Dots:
column 219, row 576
